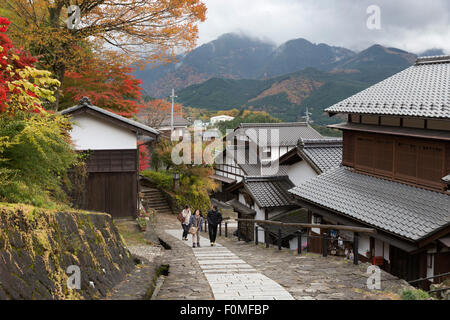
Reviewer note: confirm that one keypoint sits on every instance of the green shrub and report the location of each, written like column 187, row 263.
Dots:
column 161, row 179
column 35, row 154
column 193, row 189
column 415, row 294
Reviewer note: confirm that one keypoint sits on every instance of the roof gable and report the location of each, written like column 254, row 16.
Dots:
column 286, row 134
column 85, row 106
column 320, row 154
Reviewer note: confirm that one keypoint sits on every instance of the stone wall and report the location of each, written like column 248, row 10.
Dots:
column 37, row 246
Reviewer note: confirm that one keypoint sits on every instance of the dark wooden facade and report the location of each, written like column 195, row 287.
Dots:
column 417, row 161
column 111, row 185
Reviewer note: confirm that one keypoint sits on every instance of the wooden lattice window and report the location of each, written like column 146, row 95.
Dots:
column 447, row 155
column 348, row 149
column 430, row 163
column 406, row 160
column 383, row 155
column 364, row 153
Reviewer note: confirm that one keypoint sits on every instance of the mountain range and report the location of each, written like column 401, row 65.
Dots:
column 236, row 71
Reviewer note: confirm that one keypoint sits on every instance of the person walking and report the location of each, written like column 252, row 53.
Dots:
column 196, row 222
column 186, row 214
column 214, row 219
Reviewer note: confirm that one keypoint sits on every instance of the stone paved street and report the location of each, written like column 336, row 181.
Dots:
column 230, row 277
column 186, row 279
column 247, row 266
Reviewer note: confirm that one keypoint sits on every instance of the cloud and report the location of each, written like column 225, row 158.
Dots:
column 412, row 25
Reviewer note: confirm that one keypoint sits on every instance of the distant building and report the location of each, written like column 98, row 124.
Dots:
column 211, row 134
column 221, row 118
column 240, row 159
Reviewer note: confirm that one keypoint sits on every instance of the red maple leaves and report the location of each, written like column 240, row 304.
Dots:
column 109, row 86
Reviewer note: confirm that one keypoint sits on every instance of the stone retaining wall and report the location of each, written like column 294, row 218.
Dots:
column 37, row 246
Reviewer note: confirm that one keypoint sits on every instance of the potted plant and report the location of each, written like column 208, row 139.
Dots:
column 142, row 223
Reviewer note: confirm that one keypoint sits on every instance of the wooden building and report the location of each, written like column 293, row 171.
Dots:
column 111, row 143
column 252, row 150
column 394, row 178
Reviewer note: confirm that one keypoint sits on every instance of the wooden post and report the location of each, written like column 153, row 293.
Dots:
column 266, row 238
column 355, row 248
column 324, row 244
column 279, row 238
column 239, row 233
column 299, row 243
column 220, row 229
column 226, row 229
column 246, row 232
column 256, row 235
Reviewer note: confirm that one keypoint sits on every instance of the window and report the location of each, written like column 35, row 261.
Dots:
column 430, row 162
column 364, row 154
column 383, row 156
column 348, row 149
column 430, row 261
column 267, row 153
column 419, row 161
column 406, row 155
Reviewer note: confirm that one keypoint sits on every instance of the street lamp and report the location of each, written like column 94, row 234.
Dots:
column 176, row 180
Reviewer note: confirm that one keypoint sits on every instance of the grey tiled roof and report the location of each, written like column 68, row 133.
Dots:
column 324, row 154
column 270, row 192
column 404, row 210
column 240, row 207
column 422, row 90
column 86, row 103
column 289, row 133
column 264, row 170
column 178, row 121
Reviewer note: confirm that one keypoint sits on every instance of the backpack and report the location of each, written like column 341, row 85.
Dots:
column 180, row 217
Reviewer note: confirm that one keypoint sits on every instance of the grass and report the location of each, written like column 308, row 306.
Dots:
column 130, row 232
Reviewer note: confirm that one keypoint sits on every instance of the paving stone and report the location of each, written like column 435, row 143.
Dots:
column 280, row 274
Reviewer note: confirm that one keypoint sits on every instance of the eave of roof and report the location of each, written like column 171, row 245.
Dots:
column 239, row 207
column 275, row 189
column 398, row 131
column 405, row 211
column 85, row 106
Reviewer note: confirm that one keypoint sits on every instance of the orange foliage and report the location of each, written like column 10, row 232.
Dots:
column 154, row 112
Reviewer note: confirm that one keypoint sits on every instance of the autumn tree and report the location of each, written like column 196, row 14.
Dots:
column 142, row 31
column 109, row 85
column 154, row 112
column 35, row 147
column 22, row 87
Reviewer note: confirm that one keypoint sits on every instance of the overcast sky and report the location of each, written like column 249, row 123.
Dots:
column 412, row 25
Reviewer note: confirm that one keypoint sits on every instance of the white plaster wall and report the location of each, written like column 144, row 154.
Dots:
column 363, row 244
column 315, row 230
column 386, row 252
column 293, row 243
column 430, row 271
column 260, row 215
column 300, row 172
column 378, row 248
column 91, row 133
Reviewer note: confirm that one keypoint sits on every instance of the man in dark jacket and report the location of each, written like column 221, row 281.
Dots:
column 214, row 219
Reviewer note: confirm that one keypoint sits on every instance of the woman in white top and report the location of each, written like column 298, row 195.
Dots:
column 185, row 224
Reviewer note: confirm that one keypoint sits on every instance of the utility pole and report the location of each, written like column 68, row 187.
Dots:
column 173, row 96
column 307, row 114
